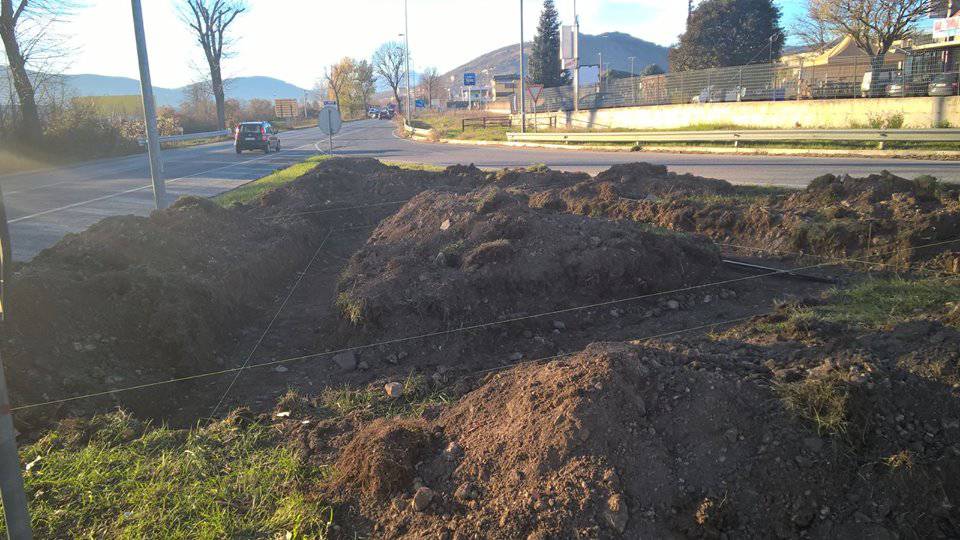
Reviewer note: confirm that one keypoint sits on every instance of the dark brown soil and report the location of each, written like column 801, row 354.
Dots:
column 690, row 439
column 772, row 429
column 447, row 261
column 881, row 217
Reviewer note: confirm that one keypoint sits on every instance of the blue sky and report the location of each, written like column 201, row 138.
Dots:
column 295, row 39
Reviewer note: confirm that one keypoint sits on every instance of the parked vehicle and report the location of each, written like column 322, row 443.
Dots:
column 834, row 89
column 910, row 87
column 374, row 112
column 884, row 78
column 945, row 84
column 598, row 100
column 256, row 136
column 385, row 114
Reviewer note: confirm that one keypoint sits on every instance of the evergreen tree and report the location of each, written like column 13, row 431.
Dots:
column 544, row 62
column 729, row 33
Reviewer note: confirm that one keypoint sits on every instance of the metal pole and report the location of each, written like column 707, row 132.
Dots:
column 576, row 58
column 523, row 77
column 15, row 511
column 149, row 109
column 406, row 38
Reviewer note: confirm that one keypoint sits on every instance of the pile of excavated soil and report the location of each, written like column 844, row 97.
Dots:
column 135, row 299
column 882, row 217
column 446, row 261
column 703, row 438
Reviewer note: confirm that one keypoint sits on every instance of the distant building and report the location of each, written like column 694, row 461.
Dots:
column 505, row 86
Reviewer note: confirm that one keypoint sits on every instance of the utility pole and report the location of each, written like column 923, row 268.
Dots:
column 600, row 84
column 149, row 109
column 576, row 58
column 523, row 78
column 16, row 514
column 633, row 80
column 406, row 38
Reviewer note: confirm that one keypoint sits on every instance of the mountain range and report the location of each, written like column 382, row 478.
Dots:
column 242, row 88
column 617, row 48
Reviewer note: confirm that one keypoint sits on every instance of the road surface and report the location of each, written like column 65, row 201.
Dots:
column 44, row 206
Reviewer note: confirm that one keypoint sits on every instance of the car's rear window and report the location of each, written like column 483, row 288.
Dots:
column 250, row 128
column 945, row 78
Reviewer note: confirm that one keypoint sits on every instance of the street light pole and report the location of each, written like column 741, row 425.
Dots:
column 149, row 109
column 523, row 77
column 406, row 38
column 15, row 512
column 576, row 58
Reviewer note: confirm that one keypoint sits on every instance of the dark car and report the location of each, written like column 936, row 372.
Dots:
column 256, row 136
column 386, row 114
column 944, row 84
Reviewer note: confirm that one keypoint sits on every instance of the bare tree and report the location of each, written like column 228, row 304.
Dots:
column 26, row 30
column 430, row 84
column 874, row 25
column 814, row 33
column 389, row 61
column 210, row 19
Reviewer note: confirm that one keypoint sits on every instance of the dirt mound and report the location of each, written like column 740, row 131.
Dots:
column 703, row 439
column 881, row 217
column 136, row 299
column 381, row 460
column 645, row 180
column 364, row 186
column 447, row 260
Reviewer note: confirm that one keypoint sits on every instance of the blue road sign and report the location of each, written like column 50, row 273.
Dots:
column 421, row 103
column 469, row 79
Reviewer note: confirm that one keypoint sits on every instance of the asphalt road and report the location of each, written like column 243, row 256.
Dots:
column 44, row 206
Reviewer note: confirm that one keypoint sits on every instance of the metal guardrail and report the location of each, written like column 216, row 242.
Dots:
column 861, row 135
column 190, row 137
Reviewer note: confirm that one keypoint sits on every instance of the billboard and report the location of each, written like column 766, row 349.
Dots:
column 945, row 28
column 286, row 108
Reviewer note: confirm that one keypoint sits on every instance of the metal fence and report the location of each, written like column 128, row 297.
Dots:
column 900, row 75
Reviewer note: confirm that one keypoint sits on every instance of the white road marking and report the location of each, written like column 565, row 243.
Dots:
column 150, row 186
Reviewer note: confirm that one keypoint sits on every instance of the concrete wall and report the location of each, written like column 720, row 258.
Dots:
column 918, row 112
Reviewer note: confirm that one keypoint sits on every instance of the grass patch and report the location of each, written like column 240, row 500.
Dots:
column 372, row 402
column 415, row 166
column 876, row 303
column 253, row 190
column 822, row 402
column 114, row 477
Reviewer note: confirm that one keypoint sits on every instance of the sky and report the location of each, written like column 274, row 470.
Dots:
column 294, row 40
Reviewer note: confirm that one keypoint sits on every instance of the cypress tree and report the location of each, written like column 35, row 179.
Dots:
column 544, row 62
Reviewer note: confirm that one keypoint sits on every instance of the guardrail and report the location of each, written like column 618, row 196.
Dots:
column 858, row 135
column 486, row 121
column 189, row 137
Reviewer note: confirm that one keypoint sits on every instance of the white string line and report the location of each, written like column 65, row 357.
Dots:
column 445, row 332
column 272, row 322
column 837, row 259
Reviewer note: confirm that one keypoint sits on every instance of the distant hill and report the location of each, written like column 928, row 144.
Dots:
column 242, row 88
column 617, row 48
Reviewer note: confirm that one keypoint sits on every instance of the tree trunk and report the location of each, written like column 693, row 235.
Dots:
column 396, row 96
column 216, row 81
column 876, row 67
column 26, row 95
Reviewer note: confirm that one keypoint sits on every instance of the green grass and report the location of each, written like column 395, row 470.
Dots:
column 113, row 477
column 372, row 402
column 415, row 166
column 876, row 303
column 253, row 190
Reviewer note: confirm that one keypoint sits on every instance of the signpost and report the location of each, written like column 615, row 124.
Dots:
column 535, row 91
column 469, row 81
column 946, row 28
column 330, row 122
column 286, row 108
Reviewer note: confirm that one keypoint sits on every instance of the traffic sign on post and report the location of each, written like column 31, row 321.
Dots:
column 469, row 79
column 286, row 108
column 329, row 122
